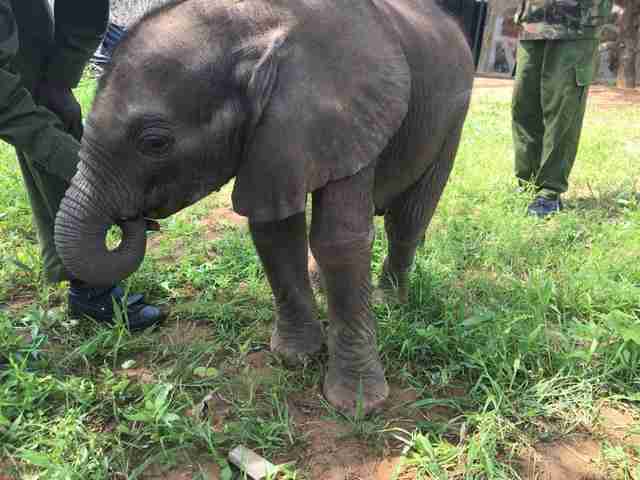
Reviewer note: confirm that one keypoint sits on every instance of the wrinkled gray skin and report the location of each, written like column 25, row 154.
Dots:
column 358, row 102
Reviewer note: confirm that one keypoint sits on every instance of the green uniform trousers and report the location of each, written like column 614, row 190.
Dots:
column 32, row 50
column 549, row 100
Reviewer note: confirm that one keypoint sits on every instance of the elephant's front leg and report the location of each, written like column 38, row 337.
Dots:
column 282, row 247
column 341, row 240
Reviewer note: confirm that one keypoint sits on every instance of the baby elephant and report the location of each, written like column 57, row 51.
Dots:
column 359, row 103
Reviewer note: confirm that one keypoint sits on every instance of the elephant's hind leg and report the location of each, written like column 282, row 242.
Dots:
column 282, row 247
column 341, row 241
column 409, row 216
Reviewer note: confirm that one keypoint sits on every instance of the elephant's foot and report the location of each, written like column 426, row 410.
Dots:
column 356, row 393
column 354, row 383
column 296, row 340
column 392, row 286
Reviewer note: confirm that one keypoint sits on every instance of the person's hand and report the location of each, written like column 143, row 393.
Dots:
column 60, row 100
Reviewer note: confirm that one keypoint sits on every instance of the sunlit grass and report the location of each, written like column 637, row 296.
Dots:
column 533, row 323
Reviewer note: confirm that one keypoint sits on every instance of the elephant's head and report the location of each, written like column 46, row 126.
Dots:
column 200, row 92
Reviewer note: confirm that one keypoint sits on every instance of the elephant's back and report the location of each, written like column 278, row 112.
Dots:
column 434, row 44
column 441, row 80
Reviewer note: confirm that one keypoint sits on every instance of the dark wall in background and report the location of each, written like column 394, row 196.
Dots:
column 471, row 15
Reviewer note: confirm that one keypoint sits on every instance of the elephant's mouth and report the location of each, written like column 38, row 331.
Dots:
column 158, row 213
column 163, row 200
column 166, row 208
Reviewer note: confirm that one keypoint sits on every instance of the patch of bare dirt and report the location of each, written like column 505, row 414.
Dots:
column 3, row 472
column 259, row 370
column 491, row 82
column 331, row 448
column 139, row 375
column 619, row 426
column 333, row 455
column 580, row 456
column 574, row 458
column 207, row 470
column 17, row 303
column 333, row 451
column 603, row 95
column 215, row 408
column 214, row 223
column 259, row 360
column 153, row 241
column 218, row 219
column 600, row 95
column 177, row 248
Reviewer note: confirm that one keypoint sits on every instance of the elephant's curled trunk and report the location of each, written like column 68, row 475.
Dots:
column 84, row 218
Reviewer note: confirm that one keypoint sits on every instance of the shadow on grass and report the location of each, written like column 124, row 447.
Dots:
column 613, row 203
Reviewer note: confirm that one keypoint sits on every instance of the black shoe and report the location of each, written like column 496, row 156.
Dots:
column 543, row 207
column 97, row 303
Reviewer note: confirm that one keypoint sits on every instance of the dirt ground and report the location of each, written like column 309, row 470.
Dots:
column 599, row 95
column 330, row 450
column 579, row 456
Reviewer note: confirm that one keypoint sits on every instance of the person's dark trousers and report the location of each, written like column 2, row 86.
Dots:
column 549, row 100
column 45, row 190
column 39, row 64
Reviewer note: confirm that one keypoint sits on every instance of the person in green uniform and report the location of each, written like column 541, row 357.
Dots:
column 556, row 63
column 41, row 60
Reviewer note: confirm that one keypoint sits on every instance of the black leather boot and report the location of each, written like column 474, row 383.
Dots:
column 97, row 303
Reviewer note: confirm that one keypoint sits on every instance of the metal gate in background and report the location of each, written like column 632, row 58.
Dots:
column 472, row 16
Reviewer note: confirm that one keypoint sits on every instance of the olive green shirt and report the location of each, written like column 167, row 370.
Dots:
column 562, row 19
column 34, row 130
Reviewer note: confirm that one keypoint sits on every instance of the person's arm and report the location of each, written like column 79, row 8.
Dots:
column 31, row 129
column 80, row 26
column 79, row 29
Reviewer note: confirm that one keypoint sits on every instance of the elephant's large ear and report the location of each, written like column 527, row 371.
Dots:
column 329, row 99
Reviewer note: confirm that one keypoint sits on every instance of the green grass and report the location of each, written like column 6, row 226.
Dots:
column 519, row 330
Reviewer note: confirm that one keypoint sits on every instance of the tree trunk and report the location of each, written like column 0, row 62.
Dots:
column 628, row 44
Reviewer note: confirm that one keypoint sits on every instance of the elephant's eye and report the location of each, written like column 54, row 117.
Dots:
column 155, row 143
